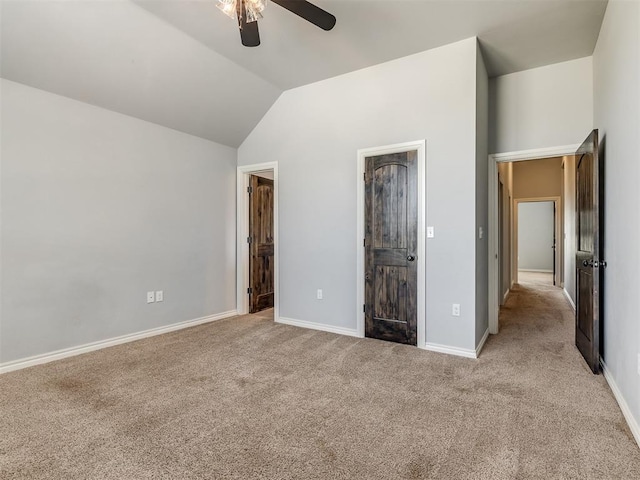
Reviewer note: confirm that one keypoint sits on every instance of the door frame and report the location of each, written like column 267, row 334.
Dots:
column 558, row 224
column 494, row 159
column 242, row 232
column 420, row 147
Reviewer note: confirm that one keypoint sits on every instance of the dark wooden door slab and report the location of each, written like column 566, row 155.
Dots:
column 261, row 248
column 588, row 252
column 391, row 242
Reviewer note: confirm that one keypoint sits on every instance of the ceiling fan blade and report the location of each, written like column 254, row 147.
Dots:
column 248, row 30
column 309, row 12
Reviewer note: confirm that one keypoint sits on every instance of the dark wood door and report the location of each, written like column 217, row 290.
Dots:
column 588, row 252
column 261, row 250
column 391, row 242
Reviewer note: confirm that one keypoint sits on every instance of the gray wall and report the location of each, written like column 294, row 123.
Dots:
column 535, row 236
column 97, row 209
column 617, row 114
column 314, row 133
column 542, row 107
column 482, row 196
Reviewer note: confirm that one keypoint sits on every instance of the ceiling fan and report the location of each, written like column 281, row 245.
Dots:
column 247, row 13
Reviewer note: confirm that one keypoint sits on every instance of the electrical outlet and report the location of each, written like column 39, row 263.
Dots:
column 159, row 296
column 455, row 310
column 319, row 294
column 431, row 232
column 151, row 297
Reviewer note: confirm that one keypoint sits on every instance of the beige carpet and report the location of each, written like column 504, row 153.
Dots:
column 245, row 398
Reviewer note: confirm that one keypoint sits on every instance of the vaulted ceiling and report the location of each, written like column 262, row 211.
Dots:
column 179, row 63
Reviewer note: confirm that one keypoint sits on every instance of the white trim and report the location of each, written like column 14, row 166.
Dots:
column 420, row 146
column 90, row 347
column 242, row 232
column 460, row 352
column 482, row 342
column 566, row 294
column 535, row 270
column 319, row 326
column 626, row 411
column 506, row 296
column 535, row 154
column 494, row 159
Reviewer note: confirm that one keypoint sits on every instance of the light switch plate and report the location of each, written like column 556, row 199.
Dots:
column 151, row 297
column 431, row 232
column 159, row 296
column 455, row 310
column 319, row 294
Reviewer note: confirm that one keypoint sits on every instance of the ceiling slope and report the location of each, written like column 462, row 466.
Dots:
column 179, row 63
column 518, row 34
column 118, row 56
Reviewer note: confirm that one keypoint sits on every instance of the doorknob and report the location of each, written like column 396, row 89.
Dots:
column 594, row 263
column 410, row 258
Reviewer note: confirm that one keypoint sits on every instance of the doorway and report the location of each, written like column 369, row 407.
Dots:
column 536, row 226
column 534, row 185
column 257, row 239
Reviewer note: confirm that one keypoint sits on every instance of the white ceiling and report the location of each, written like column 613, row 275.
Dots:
column 179, row 63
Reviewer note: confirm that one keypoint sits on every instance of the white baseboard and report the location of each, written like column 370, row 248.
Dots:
column 482, row 342
column 626, row 412
column 90, row 347
column 506, row 296
column 535, row 270
column 566, row 294
column 351, row 332
column 460, row 352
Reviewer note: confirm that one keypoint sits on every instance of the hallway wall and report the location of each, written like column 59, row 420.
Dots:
column 537, row 178
column 505, row 174
column 569, row 200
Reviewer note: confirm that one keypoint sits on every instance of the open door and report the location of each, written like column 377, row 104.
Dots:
column 588, row 263
column 261, row 247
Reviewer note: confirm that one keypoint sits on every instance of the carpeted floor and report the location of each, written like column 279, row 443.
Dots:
column 245, row 398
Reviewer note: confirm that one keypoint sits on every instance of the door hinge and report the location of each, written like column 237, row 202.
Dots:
column 364, row 242
column 364, row 177
column 249, row 190
column 364, row 308
column 249, row 291
column 248, row 239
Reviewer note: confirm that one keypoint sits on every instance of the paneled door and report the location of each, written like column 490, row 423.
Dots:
column 588, row 262
column 391, row 239
column 261, row 248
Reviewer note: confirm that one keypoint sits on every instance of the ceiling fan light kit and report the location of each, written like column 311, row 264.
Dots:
column 235, row 9
column 248, row 12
